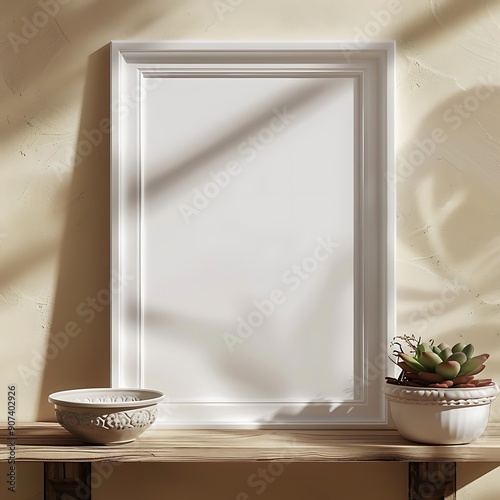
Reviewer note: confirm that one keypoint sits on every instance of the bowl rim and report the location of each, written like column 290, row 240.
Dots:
column 415, row 388
column 449, row 396
column 62, row 398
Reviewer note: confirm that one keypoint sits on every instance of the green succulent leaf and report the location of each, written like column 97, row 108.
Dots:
column 458, row 356
column 479, row 369
column 468, row 350
column 443, row 346
column 445, row 353
column 448, row 369
column 424, row 346
column 458, row 347
column 473, row 364
column 412, row 363
column 430, row 360
column 436, row 349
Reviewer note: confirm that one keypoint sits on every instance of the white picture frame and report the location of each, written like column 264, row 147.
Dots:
column 204, row 308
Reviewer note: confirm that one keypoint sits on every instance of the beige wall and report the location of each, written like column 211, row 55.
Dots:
column 54, row 230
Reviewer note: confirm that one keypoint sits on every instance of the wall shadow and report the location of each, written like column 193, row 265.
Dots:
column 448, row 184
column 78, row 350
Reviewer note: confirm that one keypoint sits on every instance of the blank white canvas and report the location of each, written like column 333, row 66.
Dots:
column 222, row 261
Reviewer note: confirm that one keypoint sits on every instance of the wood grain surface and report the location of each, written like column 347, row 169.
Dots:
column 50, row 442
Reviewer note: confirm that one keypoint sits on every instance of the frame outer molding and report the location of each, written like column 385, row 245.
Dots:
column 372, row 60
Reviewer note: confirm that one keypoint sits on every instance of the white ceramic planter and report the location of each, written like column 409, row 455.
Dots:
column 106, row 416
column 440, row 416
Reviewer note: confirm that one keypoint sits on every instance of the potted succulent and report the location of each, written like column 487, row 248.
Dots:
column 437, row 398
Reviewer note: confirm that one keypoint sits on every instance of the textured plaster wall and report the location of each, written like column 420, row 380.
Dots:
column 54, row 198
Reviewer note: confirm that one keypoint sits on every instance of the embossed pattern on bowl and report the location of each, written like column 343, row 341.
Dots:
column 106, row 416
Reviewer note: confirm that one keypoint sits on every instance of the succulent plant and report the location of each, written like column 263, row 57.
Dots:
column 440, row 366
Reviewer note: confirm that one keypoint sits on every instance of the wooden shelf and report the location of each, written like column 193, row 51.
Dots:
column 48, row 442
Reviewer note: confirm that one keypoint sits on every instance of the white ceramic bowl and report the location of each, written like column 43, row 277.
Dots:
column 440, row 416
column 106, row 416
